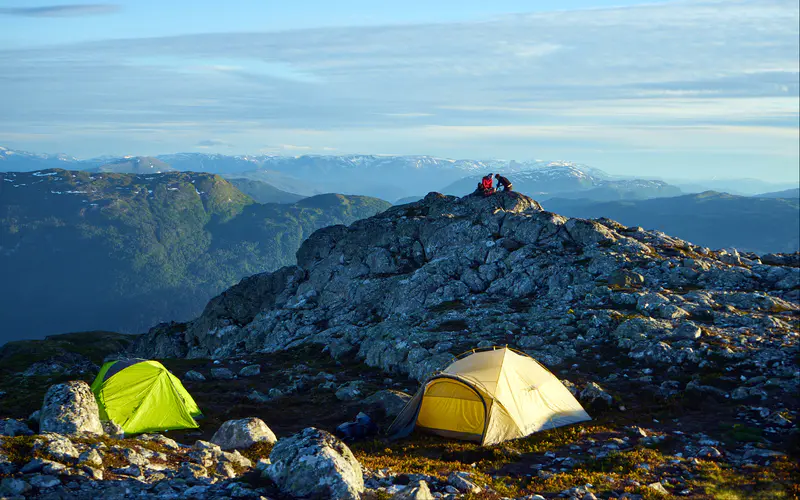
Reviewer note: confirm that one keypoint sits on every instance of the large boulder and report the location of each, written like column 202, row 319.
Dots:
column 70, row 408
column 243, row 433
column 314, row 464
column 390, row 401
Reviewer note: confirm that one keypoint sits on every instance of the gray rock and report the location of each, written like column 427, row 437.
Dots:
column 91, row 458
column 243, row 433
column 12, row 427
column 250, row 371
column 189, row 470
column 350, row 391
column 709, row 452
column 313, row 463
column 459, row 481
column 625, row 279
column 198, row 491
column 6, row 465
column 688, row 331
column 221, row 374
column 70, row 408
column 12, row 487
column 57, row 446
column 112, row 429
column 658, row 488
column 390, row 401
column 414, row 491
column 132, row 470
column 43, row 481
column 594, row 394
column 194, row 376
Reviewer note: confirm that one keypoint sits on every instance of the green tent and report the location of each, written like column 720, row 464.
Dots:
column 142, row 396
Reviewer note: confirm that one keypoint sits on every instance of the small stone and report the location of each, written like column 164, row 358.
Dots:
column 13, row 487
column 113, row 429
column 709, row 452
column 221, row 374
column 462, row 484
column 250, row 371
column 198, row 491
column 414, row 491
column 188, row 470
column 225, row 469
column 659, row 488
column 12, row 427
column 594, row 394
column 350, row 391
column 131, row 470
column 43, row 482
column 688, row 331
column 205, row 445
column 194, row 376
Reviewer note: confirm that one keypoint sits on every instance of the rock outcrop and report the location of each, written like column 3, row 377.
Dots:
column 407, row 289
column 314, row 464
column 71, row 409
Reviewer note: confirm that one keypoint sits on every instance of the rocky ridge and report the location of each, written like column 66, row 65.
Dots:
column 409, row 288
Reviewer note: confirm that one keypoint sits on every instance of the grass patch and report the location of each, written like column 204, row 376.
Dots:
column 257, row 451
column 741, row 433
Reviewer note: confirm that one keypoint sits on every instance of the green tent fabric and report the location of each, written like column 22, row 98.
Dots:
column 143, row 396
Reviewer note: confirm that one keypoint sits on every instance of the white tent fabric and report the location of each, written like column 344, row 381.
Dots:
column 519, row 395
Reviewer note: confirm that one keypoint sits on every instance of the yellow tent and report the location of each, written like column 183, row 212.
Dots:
column 490, row 396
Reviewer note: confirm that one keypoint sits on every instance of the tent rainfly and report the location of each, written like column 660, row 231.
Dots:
column 142, row 396
column 489, row 396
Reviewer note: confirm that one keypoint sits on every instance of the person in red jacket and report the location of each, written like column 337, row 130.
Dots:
column 486, row 185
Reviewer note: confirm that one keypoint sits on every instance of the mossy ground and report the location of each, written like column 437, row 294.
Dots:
column 510, row 469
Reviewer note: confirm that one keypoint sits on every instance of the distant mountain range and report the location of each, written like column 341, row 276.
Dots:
column 386, row 177
column 786, row 193
column 715, row 220
column 571, row 181
column 94, row 250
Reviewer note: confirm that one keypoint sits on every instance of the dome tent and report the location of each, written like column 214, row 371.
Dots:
column 143, row 396
column 489, row 396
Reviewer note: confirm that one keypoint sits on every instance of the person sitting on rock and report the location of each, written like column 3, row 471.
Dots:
column 503, row 181
column 486, row 186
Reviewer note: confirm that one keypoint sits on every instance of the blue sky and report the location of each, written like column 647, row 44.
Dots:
column 687, row 89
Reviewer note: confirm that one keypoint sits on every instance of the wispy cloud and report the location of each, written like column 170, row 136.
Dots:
column 73, row 10
column 210, row 143
column 500, row 87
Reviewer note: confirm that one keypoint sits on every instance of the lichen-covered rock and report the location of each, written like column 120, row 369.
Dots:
column 314, row 464
column 71, row 409
column 57, row 446
column 243, row 433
